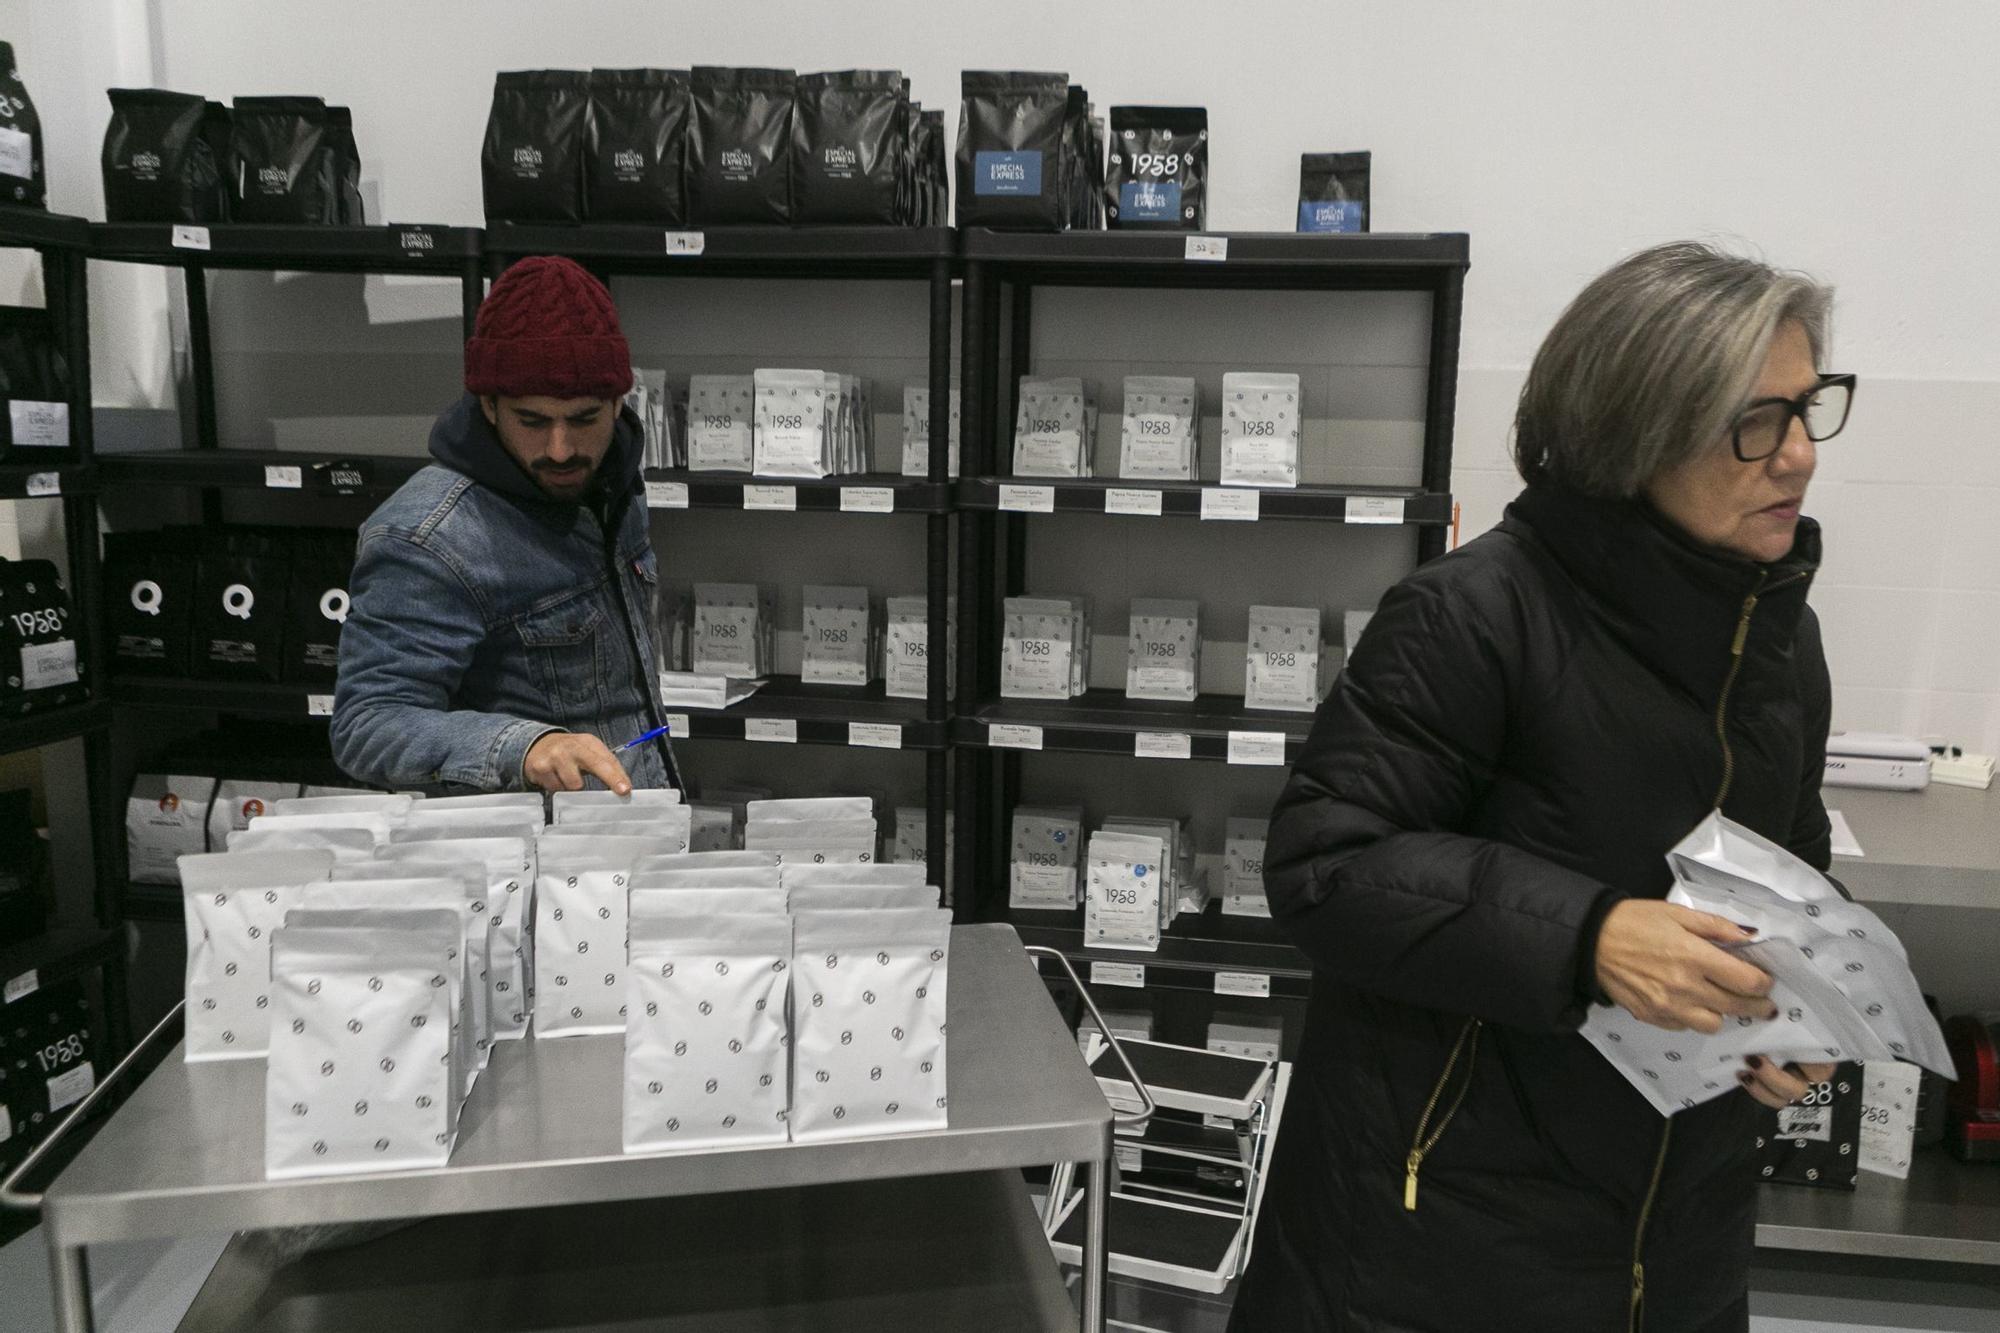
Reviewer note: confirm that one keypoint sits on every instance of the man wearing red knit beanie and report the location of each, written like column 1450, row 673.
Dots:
column 498, row 637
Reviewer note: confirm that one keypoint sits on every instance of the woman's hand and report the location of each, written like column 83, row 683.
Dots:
column 1775, row 1085
column 1661, row 962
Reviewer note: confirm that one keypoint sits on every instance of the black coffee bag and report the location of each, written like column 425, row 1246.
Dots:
column 531, row 165
column 23, row 179
column 39, row 664
column 1157, row 178
column 1333, row 191
column 1011, row 161
column 636, row 146
column 283, row 161
column 346, row 165
column 34, row 389
column 241, row 582
column 850, row 140
column 740, row 146
column 217, row 132
column 934, row 171
column 159, row 163
column 317, row 606
column 149, row 582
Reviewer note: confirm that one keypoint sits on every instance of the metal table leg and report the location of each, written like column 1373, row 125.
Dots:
column 69, row 1275
column 1096, row 1255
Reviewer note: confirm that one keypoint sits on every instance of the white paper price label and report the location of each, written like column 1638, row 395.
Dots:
column 1208, row 249
column 875, row 735
column 771, row 497
column 46, row 666
column 1028, row 499
column 774, row 730
column 666, row 495
column 190, row 238
column 284, row 478
column 676, row 724
column 1229, row 505
column 1257, row 747
column 37, row 424
column 1386, row 509
column 1162, row 745
column 1255, row 984
column 686, row 243
column 867, row 500
column 1131, row 1158
column 42, row 485
column 22, row 986
column 71, row 1086
column 319, row 705
column 1145, row 504
column 1130, row 975
column 1006, row 736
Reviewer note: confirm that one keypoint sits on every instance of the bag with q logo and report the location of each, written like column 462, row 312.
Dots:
column 240, row 608
column 149, row 600
column 317, row 607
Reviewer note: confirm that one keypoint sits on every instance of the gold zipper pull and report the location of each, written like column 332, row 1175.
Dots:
column 1638, row 1319
column 1743, row 626
column 1410, row 1183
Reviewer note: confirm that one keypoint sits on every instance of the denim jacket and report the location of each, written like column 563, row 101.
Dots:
column 485, row 616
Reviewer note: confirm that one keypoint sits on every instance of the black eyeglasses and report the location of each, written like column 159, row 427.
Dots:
column 1759, row 430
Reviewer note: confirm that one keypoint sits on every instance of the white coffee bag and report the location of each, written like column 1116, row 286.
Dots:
column 719, row 417
column 166, row 818
column 233, row 901
column 1261, row 418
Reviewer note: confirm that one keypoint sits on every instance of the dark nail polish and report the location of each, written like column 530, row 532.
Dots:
column 1755, row 1061
column 1743, row 1078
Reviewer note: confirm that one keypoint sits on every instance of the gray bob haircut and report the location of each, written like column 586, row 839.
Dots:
column 1650, row 364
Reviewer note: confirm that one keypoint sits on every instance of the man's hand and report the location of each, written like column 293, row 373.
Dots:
column 561, row 760
column 1660, row 961
column 1776, row 1086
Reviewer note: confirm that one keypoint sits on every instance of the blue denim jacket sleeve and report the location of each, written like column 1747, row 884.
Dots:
column 411, row 633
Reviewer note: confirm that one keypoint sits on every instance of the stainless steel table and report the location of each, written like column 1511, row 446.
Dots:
column 542, row 1129
column 1939, row 847
column 1948, row 1211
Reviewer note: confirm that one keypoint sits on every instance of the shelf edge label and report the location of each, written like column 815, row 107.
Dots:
column 773, row 730
column 1385, row 509
column 867, row 500
column 875, row 735
column 284, row 478
column 666, row 495
column 677, row 725
column 1257, row 984
column 685, row 244
column 1142, row 503
column 784, row 498
column 1008, row 736
column 1129, row 975
column 319, row 705
column 1163, row 745
column 1207, row 249
column 1028, row 499
column 22, row 986
column 190, row 238
column 42, row 485
column 1257, row 747
column 1230, row 505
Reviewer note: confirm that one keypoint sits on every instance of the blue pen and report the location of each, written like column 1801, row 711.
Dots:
column 641, row 740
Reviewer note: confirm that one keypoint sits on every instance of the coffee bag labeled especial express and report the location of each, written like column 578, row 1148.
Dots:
column 635, row 146
column 740, row 146
column 1333, row 191
column 160, row 163
column 284, row 160
column 1158, row 174
column 1011, row 160
column 23, row 180
column 850, row 139
column 531, row 164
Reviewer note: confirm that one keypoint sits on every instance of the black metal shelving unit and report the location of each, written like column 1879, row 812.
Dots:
column 1001, row 273
column 913, row 254
column 72, row 482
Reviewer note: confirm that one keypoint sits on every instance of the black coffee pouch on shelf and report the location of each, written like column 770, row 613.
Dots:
column 1079, row 196
column 740, row 146
column 160, row 164
column 850, row 139
column 531, row 164
column 23, row 178
column 217, row 131
column 149, row 589
column 1157, row 178
column 241, row 582
column 1333, row 191
column 934, row 171
column 317, row 607
column 1010, row 150
column 636, row 145
column 283, row 162
column 34, row 386
column 346, row 166
column 40, row 667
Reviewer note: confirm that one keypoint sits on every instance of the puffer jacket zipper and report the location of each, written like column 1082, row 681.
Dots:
column 1420, row 1147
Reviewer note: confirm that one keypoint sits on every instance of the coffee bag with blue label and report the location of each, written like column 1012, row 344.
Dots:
column 850, row 145
column 285, row 162
column 531, row 163
column 740, row 146
column 1158, row 174
column 1333, row 191
column 637, row 140
column 1011, row 161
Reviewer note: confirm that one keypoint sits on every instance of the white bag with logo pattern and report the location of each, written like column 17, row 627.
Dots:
column 233, row 901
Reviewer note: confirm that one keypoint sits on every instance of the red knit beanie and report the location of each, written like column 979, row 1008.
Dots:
column 548, row 328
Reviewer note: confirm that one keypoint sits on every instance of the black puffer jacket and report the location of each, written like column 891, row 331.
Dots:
column 1526, row 728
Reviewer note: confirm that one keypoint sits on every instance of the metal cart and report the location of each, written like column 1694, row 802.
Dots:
column 542, row 1130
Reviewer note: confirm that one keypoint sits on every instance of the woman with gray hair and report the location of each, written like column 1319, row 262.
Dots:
column 1471, row 848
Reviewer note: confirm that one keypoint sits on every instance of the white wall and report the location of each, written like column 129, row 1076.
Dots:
column 1850, row 139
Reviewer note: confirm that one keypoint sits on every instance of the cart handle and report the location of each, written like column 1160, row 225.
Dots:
column 1117, row 1049
column 10, row 1197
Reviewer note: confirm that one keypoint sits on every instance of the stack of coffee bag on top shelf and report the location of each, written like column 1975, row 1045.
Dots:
column 177, row 157
column 714, row 146
column 1031, row 153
